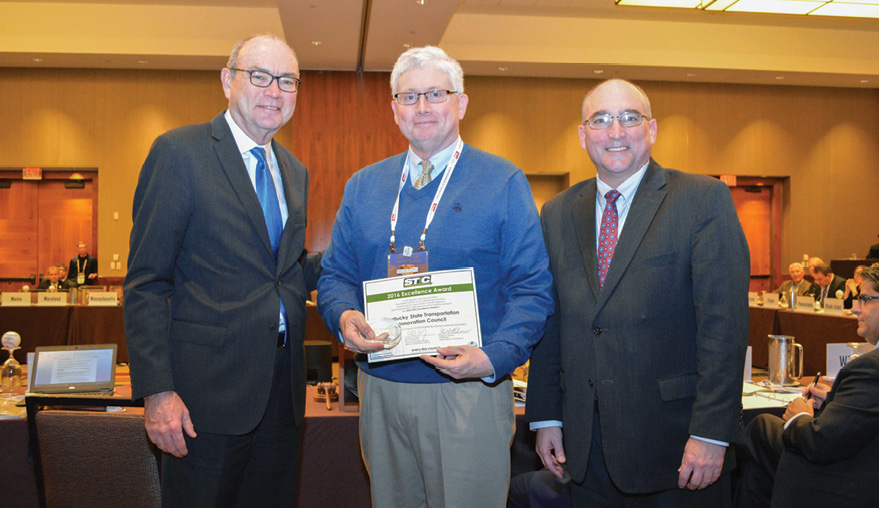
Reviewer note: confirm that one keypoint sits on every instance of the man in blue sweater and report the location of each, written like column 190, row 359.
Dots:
column 436, row 431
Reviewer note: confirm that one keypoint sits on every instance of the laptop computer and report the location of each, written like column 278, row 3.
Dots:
column 78, row 369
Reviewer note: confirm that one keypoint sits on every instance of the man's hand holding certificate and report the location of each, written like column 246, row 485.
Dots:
column 433, row 310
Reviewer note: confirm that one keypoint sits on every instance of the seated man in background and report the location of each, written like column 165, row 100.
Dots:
column 83, row 266
column 52, row 282
column 852, row 287
column 828, row 283
column 824, row 450
column 62, row 276
column 797, row 280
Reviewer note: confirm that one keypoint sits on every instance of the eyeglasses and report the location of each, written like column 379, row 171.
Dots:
column 432, row 96
column 263, row 79
column 863, row 299
column 603, row 121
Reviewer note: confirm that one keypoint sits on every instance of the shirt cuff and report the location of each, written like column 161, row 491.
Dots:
column 544, row 424
column 794, row 417
column 712, row 441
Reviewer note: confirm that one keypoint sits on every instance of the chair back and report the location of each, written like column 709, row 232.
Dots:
column 97, row 459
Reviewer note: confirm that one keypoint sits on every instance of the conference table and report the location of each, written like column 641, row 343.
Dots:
column 813, row 330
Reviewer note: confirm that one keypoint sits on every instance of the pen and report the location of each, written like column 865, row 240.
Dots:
column 815, row 382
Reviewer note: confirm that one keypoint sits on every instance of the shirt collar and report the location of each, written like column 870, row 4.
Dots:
column 627, row 189
column 245, row 144
column 439, row 160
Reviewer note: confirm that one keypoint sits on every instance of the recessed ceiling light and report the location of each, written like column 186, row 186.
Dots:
column 421, row 2
column 865, row 81
column 779, row 78
column 502, row 69
column 316, row 43
column 142, row 61
column 598, row 71
column 407, row 45
column 38, row 60
column 691, row 74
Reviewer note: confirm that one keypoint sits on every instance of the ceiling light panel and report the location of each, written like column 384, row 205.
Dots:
column 775, row 6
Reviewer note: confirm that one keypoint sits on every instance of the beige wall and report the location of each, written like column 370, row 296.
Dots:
column 824, row 139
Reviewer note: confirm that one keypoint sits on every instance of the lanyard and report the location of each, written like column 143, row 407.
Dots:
column 450, row 167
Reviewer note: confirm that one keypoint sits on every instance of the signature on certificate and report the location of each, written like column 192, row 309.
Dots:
column 452, row 332
column 415, row 335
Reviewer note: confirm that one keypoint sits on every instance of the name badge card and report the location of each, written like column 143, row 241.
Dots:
column 433, row 309
column 16, row 299
column 102, row 298
column 52, row 298
column 805, row 304
column 770, row 300
column 839, row 354
column 752, row 298
column 833, row 306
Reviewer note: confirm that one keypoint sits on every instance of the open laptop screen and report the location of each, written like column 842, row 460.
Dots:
column 73, row 369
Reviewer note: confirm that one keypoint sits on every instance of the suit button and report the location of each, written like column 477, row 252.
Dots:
column 279, row 282
column 591, row 383
column 596, row 330
column 274, row 327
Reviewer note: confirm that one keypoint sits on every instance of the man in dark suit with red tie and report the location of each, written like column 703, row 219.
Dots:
column 215, row 292
column 636, row 386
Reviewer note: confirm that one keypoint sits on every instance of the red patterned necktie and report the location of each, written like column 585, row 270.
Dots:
column 607, row 239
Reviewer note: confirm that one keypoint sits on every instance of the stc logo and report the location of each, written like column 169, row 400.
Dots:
column 409, row 282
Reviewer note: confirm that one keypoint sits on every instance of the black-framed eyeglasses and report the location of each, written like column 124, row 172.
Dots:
column 432, row 96
column 603, row 121
column 263, row 79
column 863, row 299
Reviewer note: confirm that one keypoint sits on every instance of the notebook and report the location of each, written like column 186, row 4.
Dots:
column 74, row 369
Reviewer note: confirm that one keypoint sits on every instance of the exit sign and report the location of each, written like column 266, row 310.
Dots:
column 31, row 173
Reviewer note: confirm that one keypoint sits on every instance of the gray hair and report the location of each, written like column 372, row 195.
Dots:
column 795, row 265
column 428, row 56
column 232, row 63
column 633, row 85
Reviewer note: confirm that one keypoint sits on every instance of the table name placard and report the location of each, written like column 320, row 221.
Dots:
column 805, row 304
column 16, row 299
column 839, row 354
column 770, row 300
column 752, row 298
column 52, row 298
column 833, row 306
column 106, row 298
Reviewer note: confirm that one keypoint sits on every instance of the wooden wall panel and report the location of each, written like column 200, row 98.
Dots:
column 65, row 219
column 18, row 229
column 343, row 122
column 826, row 141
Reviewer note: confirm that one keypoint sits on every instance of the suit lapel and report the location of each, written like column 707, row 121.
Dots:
column 648, row 197
column 584, row 225
column 293, row 211
column 233, row 165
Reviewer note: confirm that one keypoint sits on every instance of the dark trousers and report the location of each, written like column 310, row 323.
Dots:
column 256, row 469
column 599, row 491
column 757, row 455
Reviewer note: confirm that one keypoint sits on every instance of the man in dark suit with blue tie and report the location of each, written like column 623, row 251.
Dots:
column 215, row 291
column 636, row 385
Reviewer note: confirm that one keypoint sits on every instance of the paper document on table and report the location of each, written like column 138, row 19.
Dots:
column 756, row 396
column 433, row 309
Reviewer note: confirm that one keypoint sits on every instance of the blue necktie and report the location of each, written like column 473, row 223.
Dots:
column 268, row 198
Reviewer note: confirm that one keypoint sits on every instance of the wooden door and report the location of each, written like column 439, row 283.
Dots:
column 41, row 222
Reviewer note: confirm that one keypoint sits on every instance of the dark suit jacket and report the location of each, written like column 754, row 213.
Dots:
column 662, row 344
column 89, row 267
column 836, row 283
column 833, row 458
column 202, row 289
column 62, row 284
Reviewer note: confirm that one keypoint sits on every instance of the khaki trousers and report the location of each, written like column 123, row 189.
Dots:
column 438, row 445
